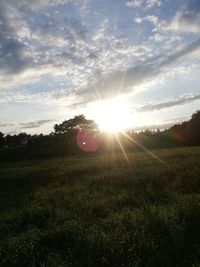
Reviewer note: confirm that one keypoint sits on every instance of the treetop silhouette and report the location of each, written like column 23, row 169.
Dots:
column 77, row 123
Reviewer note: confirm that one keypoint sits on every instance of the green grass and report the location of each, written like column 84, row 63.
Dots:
column 102, row 211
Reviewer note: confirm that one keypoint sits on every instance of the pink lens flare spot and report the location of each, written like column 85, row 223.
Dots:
column 86, row 141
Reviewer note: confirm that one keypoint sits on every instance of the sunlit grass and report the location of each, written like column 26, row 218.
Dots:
column 102, row 211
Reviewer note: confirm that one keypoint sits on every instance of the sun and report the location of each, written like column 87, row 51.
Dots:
column 111, row 115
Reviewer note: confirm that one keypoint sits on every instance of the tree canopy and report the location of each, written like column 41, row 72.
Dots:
column 67, row 139
column 78, row 122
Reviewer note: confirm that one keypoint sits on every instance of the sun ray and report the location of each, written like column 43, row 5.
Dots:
column 123, row 150
column 111, row 115
column 122, row 82
column 142, row 147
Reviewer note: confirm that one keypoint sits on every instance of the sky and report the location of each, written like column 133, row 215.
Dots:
column 61, row 58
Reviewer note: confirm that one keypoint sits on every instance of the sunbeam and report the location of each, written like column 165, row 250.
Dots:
column 111, row 115
column 142, row 147
column 123, row 150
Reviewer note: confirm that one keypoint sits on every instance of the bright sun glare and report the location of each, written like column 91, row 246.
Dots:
column 111, row 115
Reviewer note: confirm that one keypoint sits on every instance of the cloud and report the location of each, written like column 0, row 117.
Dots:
column 52, row 31
column 32, row 41
column 152, row 3
column 185, row 20
column 118, row 82
column 34, row 124
column 188, row 18
column 135, row 3
column 144, row 3
column 151, row 18
column 166, row 124
column 34, row 4
column 158, row 37
column 6, row 125
column 170, row 103
column 14, row 53
column 154, row 127
column 38, row 40
column 14, row 128
column 183, row 52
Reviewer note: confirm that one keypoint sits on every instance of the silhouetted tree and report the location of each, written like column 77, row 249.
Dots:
column 1, row 141
column 63, row 141
column 78, row 122
column 194, row 128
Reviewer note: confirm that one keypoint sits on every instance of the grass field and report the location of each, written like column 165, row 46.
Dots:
column 102, row 211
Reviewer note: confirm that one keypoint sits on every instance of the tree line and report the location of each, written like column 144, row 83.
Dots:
column 80, row 135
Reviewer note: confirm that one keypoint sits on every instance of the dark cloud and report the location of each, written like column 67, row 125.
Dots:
column 43, row 37
column 183, row 52
column 34, row 124
column 60, row 43
column 171, row 103
column 13, row 51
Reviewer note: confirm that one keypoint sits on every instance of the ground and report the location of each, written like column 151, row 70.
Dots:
column 102, row 211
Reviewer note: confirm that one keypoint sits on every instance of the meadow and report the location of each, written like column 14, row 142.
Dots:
column 100, row 210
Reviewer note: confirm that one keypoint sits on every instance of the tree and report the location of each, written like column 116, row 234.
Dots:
column 78, row 122
column 1, row 140
column 194, row 128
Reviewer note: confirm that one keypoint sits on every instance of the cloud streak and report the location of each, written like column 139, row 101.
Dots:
column 166, row 124
column 34, row 124
column 121, row 82
column 188, row 18
column 170, row 103
column 67, row 53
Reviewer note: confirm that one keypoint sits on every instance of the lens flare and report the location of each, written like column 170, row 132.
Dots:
column 85, row 141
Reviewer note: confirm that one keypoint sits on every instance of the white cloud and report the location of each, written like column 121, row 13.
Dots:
column 150, row 18
column 158, row 37
column 64, row 45
column 135, row 3
column 185, row 20
column 144, row 3
column 152, row 3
